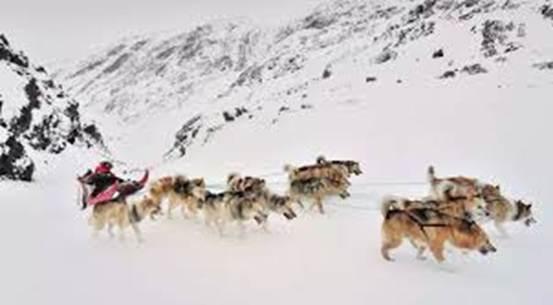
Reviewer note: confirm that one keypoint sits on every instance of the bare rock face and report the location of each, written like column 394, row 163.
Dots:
column 35, row 115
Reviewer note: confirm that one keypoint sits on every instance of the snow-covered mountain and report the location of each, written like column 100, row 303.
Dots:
column 196, row 82
column 396, row 85
column 36, row 115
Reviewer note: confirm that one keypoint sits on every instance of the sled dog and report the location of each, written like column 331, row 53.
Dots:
column 452, row 187
column 180, row 191
column 462, row 207
column 220, row 209
column 429, row 228
column 316, row 190
column 237, row 183
column 122, row 215
column 502, row 210
column 338, row 174
column 352, row 167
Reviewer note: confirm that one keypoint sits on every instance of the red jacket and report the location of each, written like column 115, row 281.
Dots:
column 102, row 169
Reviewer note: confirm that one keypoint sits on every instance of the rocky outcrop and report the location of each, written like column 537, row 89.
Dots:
column 35, row 116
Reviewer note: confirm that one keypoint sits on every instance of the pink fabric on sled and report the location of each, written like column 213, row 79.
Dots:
column 104, row 196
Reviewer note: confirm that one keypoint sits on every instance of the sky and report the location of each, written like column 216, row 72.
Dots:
column 56, row 31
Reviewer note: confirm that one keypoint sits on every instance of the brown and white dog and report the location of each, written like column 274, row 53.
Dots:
column 352, row 167
column 237, row 183
column 470, row 209
column 452, row 187
column 502, row 210
column 430, row 228
column 496, row 206
column 221, row 209
column 338, row 174
column 316, row 190
column 120, row 214
column 180, row 191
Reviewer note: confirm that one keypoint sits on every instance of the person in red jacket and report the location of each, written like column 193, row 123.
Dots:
column 101, row 178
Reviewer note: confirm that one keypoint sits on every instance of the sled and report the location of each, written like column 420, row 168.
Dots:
column 119, row 190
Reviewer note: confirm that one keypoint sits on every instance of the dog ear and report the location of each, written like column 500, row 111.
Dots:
column 321, row 159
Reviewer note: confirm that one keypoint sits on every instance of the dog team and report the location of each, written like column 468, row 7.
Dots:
column 453, row 212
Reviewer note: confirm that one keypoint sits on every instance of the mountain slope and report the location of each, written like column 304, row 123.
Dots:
column 36, row 115
column 196, row 83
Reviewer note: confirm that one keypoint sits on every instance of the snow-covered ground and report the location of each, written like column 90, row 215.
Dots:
column 469, row 127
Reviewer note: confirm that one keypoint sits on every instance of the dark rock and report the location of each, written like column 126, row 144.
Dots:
column 317, row 21
column 547, row 11
column 421, row 11
column 239, row 111
column 228, row 117
column 46, row 121
column 7, row 54
column 15, row 164
column 283, row 109
column 41, row 69
column 186, row 136
column 88, row 68
column 166, row 53
column 494, row 33
column 448, row 74
column 385, row 56
column 474, row 69
column 547, row 65
column 117, row 63
column 370, row 79
column 438, row 54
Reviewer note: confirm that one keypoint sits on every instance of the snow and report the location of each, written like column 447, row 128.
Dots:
column 48, row 256
column 494, row 126
column 11, row 87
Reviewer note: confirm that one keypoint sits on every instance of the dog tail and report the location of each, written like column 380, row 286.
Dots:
column 321, row 160
column 431, row 174
column 389, row 203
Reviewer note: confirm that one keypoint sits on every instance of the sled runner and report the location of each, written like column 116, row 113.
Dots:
column 119, row 190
